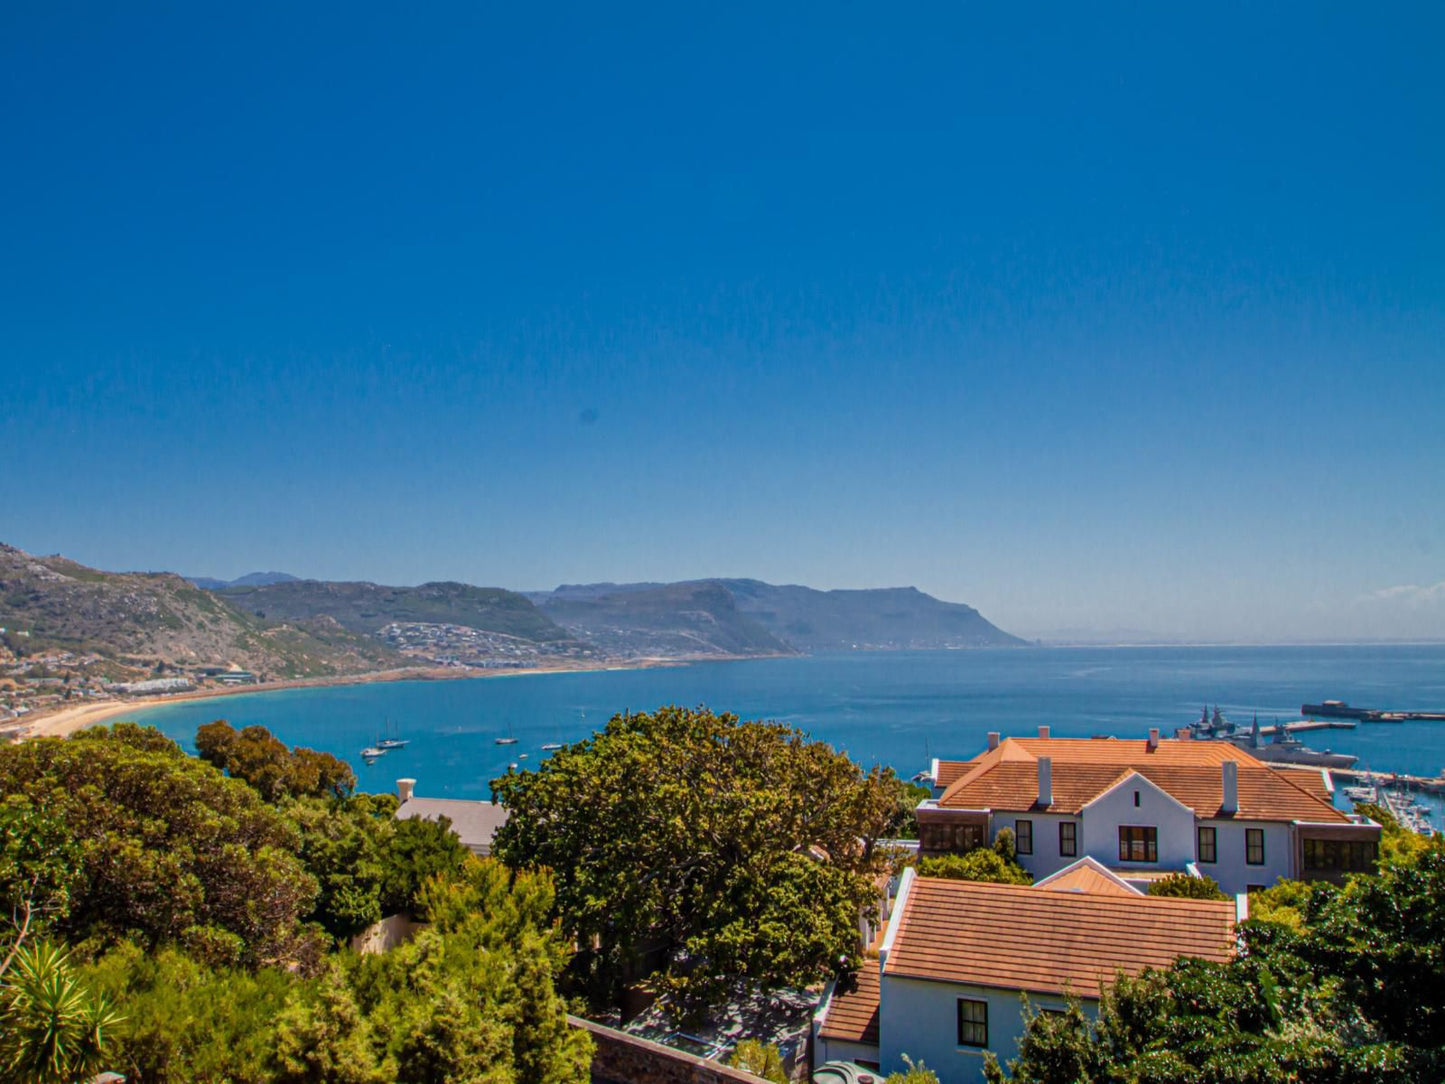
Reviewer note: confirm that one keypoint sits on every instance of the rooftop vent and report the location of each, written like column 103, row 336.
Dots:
column 993, row 739
column 1153, row 738
column 1043, row 732
column 404, row 789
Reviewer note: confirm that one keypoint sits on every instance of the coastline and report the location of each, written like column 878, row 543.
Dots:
column 63, row 721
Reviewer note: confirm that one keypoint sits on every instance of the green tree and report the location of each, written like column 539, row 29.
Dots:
column 668, row 832
column 981, row 864
column 472, row 997
column 275, row 771
column 323, row 1038
column 916, row 1073
column 168, row 849
column 52, row 1029
column 760, row 1059
column 189, row 1022
column 1183, row 886
column 38, row 860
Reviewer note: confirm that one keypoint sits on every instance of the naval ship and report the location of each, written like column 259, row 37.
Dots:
column 1281, row 748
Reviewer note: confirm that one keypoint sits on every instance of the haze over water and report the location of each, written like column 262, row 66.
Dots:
column 896, row 708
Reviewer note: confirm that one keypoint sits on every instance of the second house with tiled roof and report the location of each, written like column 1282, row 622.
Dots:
column 1146, row 808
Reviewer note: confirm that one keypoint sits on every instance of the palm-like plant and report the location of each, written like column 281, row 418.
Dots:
column 52, row 1030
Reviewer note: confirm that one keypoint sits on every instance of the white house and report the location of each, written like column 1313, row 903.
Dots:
column 1147, row 808
column 946, row 985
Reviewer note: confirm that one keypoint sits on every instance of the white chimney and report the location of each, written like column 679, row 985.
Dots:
column 1046, row 781
column 1153, row 738
column 1044, row 732
column 993, row 739
column 404, row 787
column 1230, row 779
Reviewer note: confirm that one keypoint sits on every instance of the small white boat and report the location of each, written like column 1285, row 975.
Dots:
column 371, row 752
column 551, row 747
column 512, row 767
column 392, row 743
column 505, row 741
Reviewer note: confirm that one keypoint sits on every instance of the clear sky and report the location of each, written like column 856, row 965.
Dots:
column 1095, row 317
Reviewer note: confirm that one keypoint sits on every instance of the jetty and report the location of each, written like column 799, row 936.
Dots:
column 1338, row 709
column 1424, row 783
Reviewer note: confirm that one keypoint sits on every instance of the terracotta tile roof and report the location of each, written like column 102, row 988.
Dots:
column 852, row 1014
column 1006, row 778
column 1087, row 875
column 1022, row 937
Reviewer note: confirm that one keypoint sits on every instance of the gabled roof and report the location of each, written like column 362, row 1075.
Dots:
column 852, row 1013
column 1087, row 875
column 473, row 822
column 1026, row 937
column 1190, row 772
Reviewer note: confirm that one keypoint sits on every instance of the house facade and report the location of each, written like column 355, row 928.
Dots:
column 945, row 987
column 1146, row 809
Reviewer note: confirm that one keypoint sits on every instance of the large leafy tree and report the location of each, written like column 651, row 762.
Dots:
column 710, row 849
column 274, row 770
column 368, row 864
column 168, row 849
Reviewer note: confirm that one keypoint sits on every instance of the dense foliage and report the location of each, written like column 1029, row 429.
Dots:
column 761, row 1059
column 702, row 848
column 1349, row 988
column 273, row 770
column 1184, row 886
column 167, row 849
column 996, row 864
column 190, row 907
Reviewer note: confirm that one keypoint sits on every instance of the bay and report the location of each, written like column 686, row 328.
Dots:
column 895, row 708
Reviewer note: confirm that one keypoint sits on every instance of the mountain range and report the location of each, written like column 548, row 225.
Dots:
column 277, row 625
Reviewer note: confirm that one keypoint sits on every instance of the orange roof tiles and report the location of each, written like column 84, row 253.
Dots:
column 1022, row 937
column 1086, row 875
column 1006, row 778
column 852, row 1014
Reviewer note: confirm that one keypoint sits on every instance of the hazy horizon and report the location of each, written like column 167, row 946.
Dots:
column 1094, row 320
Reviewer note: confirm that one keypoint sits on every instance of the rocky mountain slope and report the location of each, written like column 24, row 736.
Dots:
column 751, row 617
column 366, row 608
column 142, row 618
column 662, row 620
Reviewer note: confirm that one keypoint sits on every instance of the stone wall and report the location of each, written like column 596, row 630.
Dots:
column 625, row 1059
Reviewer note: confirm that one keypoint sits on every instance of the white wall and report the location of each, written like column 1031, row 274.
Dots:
column 920, row 1019
column 1046, row 858
column 1230, row 870
column 1103, row 817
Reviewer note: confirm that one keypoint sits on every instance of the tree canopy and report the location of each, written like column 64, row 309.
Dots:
column 705, row 848
column 273, row 770
column 168, row 849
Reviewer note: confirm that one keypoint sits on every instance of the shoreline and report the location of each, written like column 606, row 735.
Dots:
column 63, row 721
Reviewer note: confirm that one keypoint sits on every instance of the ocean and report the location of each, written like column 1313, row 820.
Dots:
column 895, row 708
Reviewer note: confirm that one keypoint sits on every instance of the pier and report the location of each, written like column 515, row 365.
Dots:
column 1338, row 709
column 1423, row 783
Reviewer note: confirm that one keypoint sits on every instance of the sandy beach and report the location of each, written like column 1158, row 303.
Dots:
column 66, row 720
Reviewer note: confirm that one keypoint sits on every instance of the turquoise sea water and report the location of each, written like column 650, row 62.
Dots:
column 896, row 708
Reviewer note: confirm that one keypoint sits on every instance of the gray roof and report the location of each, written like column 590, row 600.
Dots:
column 474, row 822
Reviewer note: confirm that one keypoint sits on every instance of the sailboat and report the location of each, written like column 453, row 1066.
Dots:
column 508, row 740
column 391, row 743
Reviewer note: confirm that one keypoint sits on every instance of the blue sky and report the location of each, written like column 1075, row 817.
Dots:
column 1117, row 318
